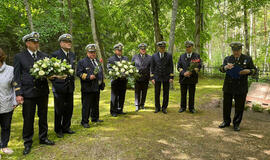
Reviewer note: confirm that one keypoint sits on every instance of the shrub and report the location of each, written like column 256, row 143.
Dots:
column 257, row 108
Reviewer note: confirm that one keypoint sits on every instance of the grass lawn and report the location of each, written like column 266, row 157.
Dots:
column 148, row 136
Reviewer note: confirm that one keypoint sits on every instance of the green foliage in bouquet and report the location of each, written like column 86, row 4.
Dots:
column 193, row 64
column 47, row 67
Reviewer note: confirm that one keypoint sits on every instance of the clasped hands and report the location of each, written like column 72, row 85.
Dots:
column 188, row 73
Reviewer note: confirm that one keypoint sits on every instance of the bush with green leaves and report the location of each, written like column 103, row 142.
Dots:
column 257, row 108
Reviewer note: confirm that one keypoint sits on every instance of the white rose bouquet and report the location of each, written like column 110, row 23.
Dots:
column 41, row 68
column 123, row 69
column 49, row 67
column 61, row 68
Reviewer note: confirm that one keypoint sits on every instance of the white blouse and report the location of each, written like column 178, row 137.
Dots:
column 7, row 93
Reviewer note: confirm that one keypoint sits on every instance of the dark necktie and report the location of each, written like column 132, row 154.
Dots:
column 68, row 60
column 93, row 61
column 34, row 56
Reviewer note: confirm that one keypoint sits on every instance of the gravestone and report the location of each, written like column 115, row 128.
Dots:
column 259, row 93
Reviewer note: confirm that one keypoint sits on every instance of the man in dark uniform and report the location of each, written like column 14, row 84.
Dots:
column 63, row 88
column 188, row 77
column 118, row 86
column 90, row 72
column 31, row 92
column 162, row 73
column 237, row 68
column 142, row 63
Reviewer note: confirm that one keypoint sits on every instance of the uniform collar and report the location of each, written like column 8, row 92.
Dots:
column 64, row 51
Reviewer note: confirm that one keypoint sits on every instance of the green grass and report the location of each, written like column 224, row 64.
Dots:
column 142, row 135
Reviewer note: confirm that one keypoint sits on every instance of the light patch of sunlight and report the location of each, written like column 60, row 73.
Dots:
column 216, row 123
column 163, row 141
column 227, row 139
column 77, row 96
column 91, row 139
column 105, row 138
column 186, row 126
column 251, row 158
column 256, row 135
column 224, row 155
column 165, row 152
column 267, row 152
column 108, row 129
column 135, row 116
column 181, row 156
column 215, row 131
column 209, row 86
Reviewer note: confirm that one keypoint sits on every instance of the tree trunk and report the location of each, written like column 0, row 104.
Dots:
column 266, row 63
column 103, row 55
column 246, row 28
column 254, row 38
column 70, row 21
column 250, row 32
column 155, row 10
column 94, row 31
column 209, row 53
column 265, row 24
column 29, row 15
column 172, row 32
column 70, row 16
column 62, row 17
column 198, row 26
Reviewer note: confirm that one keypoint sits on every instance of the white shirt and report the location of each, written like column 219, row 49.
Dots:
column 32, row 53
column 119, row 57
column 160, row 54
column 189, row 55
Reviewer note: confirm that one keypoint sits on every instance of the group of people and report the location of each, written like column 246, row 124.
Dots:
column 18, row 86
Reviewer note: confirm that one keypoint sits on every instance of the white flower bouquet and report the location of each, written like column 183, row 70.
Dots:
column 123, row 69
column 49, row 67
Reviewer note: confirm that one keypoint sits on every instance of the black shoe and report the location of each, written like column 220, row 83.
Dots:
column 156, row 111
column 164, row 111
column 96, row 121
column 236, row 128
column 181, row 110
column 46, row 142
column 192, row 111
column 223, row 125
column 59, row 135
column 142, row 107
column 69, row 131
column 114, row 114
column 85, row 125
column 26, row 150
